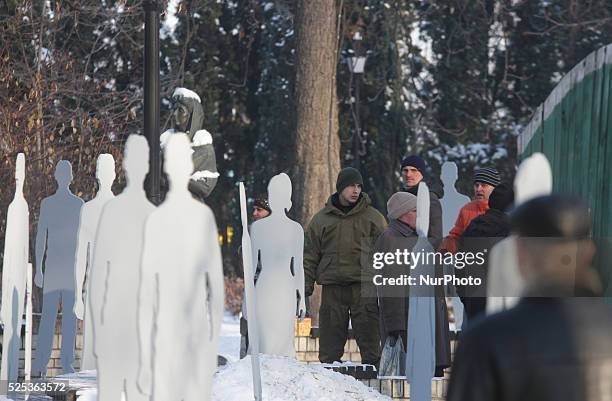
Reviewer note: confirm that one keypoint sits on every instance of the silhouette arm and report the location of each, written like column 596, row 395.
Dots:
column 42, row 234
column 298, row 268
column 257, row 266
column 215, row 277
column 80, row 264
column 98, row 276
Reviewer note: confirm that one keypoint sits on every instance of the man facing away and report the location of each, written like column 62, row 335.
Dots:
column 337, row 244
column 400, row 234
column 556, row 344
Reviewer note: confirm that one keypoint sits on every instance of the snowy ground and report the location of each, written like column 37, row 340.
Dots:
column 283, row 379
column 229, row 341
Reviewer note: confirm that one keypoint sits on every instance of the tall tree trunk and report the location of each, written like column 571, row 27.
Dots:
column 317, row 142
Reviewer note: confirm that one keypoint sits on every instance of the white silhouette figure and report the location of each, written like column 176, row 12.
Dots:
column 115, row 278
column 505, row 283
column 56, row 240
column 88, row 224
column 279, row 241
column 182, row 274
column 421, row 331
column 249, row 293
column 452, row 202
column 14, row 277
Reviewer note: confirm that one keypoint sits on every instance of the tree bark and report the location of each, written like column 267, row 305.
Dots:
column 317, row 159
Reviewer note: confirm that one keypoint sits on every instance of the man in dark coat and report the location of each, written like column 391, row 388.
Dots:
column 481, row 234
column 401, row 235
column 337, row 242
column 414, row 170
column 556, row 344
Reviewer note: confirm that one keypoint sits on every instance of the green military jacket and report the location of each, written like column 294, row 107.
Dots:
column 337, row 246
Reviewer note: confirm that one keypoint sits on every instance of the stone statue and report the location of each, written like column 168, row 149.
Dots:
column 188, row 118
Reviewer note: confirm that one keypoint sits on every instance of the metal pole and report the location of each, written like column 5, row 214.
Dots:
column 151, row 97
column 357, row 138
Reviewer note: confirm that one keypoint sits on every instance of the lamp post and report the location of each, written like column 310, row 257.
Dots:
column 356, row 65
column 151, row 97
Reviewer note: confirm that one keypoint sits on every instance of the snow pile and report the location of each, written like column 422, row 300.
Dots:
column 188, row 93
column 285, row 379
column 87, row 395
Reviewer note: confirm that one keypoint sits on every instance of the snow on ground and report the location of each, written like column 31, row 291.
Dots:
column 285, row 379
column 87, row 395
column 229, row 340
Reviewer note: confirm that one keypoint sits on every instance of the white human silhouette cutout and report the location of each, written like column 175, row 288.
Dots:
column 88, row 224
column 451, row 203
column 421, row 331
column 505, row 283
column 279, row 242
column 56, row 240
column 183, row 277
column 115, row 278
column 249, row 293
column 14, row 277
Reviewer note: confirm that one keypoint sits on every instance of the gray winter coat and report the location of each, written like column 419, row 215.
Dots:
column 436, row 192
column 393, row 301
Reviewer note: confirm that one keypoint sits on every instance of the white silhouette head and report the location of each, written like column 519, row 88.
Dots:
column 105, row 170
column 279, row 193
column 177, row 161
column 449, row 174
column 533, row 178
column 136, row 159
column 63, row 173
column 20, row 172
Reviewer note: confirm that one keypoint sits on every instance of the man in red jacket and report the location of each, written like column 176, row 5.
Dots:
column 485, row 181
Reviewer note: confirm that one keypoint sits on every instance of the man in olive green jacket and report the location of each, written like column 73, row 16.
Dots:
column 337, row 250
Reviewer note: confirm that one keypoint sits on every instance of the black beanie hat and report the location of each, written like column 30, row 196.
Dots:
column 416, row 162
column 502, row 197
column 559, row 216
column 348, row 176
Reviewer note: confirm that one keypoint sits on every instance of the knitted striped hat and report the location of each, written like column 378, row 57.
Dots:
column 487, row 175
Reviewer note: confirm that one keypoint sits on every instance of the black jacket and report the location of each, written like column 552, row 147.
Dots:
column 544, row 349
column 436, row 192
column 481, row 235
